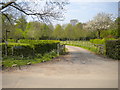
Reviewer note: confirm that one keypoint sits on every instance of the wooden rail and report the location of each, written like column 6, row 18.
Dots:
column 60, row 49
column 101, row 48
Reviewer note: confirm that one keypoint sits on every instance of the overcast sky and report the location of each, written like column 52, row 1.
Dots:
column 85, row 11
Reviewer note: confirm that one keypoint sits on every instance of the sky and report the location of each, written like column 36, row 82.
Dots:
column 85, row 11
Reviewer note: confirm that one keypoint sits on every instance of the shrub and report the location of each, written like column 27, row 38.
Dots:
column 97, row 41
column 17, row 49
column 30, row 47
column 101, row 41
column 11, row 40
column 113, row 49
column 41, row 46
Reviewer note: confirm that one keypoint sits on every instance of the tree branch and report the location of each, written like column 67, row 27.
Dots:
column 51, row 10
column 7, row 18
column 4, row 5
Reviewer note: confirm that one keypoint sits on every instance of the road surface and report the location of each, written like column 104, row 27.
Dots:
column 79, row 69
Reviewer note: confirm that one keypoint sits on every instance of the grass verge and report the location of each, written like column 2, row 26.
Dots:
column 15, row 61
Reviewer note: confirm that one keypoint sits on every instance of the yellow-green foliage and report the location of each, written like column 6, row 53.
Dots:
column 41, row 46
column 100, row 41
column 17, row 49
column 30, row 47
column 11, row 40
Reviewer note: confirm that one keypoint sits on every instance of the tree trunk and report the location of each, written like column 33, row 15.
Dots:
column 99, row 34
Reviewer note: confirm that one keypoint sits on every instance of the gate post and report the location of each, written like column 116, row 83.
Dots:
column 58, row 49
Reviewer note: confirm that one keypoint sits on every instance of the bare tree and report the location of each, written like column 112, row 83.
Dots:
column 44, row 10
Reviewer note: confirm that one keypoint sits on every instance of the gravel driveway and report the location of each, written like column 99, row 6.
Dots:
column 79, row 69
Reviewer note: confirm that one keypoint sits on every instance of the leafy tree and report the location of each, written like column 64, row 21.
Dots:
column 6, row 26
column 117, row 23
column 51, row 29
column 33, row 30
column 101, row 21
column 46, row 31
column 21, row 23
column 58, row 32
column 69, row 32
column 37, row 30
column 17, row 34
column 78, row 31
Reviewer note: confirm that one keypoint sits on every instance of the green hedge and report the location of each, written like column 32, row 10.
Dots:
column 113, row 49
column 17, row 49
column 12, row 40
column 30, row 47
column 41, row 46
column 100, row 41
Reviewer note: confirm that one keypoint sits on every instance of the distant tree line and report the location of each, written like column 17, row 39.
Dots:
column 21, row 29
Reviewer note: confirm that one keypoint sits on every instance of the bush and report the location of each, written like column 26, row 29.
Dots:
column 17, row 49
column 113, row 49
column 30, row 47
column 97, row 41
column 11, row 40
column 101, row 41
column 41, row 46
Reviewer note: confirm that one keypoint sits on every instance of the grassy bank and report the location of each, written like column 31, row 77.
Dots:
column 15, row 61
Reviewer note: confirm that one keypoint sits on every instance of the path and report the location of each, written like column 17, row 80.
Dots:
column 79, row 69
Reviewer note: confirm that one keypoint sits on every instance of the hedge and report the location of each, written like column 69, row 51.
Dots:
column 41, row 46
column 30, row 47
column 100, row 41
column 12, row 40
column 17, row 49
column 111, row 46
column 113, row 49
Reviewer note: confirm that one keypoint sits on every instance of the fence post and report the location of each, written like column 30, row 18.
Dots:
column 58, row 49
column 64, row 48
column 12, row 51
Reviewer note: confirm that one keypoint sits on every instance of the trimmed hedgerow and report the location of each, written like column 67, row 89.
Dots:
column 12, row 40
column 30, row 47
column 27, row 52
column 113, row 49
column 41, row 46
column 100, row 41
column 17, row 49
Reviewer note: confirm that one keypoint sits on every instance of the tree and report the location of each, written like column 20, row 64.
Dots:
column 101, row 21
column 117, row 23
column 37, row 30
column 58, row 32
column 33, row 30
column 78, row 31
column 69, row 32
column 46, row 31
column 6, row 26
column 21, row 23
column 46, row 10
